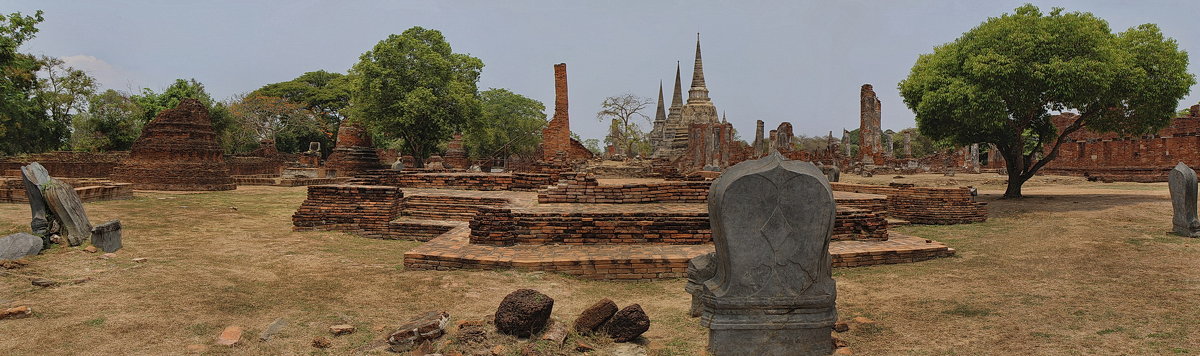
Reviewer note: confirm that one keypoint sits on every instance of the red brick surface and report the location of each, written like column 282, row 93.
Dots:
column 177, row 151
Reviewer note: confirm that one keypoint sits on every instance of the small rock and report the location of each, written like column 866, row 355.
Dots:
column 843, row 351
column 93, row 249
column 43, row 282
column 428, row 326
column 81, row 280
column 841, row 327
column 273, row 328
column 582, row 347
column 523, row 313
column 230, row 336
column 321, row 342
column 17, row 312
column 342, row 329
column 838, row 342
column 862, row 320
column 594, row 316
column 13, row 264
column 139, row 260
column 555, row 332
column 107, row 256
column 627, row 324
column 197, row 348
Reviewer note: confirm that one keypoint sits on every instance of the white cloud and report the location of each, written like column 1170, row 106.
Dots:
column 107, row 75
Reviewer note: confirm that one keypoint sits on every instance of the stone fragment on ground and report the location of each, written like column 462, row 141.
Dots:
column 43, row 282
column 838, row 342
column 841, row 327
column 68, row 210
column 471, row 331
column 862, row 320
column 16, row 312
column 232, row 335
column 342, row 329
column 90, row 249
column 107, row 256
column 19, row 245
column 523, row 312
column 107, row 236
column 627, row 324
column 139, row 260
column 428, row 326
column 273, row 328
column 594, row 316
column 583, row 347
column 556, row 332
column 321, row 342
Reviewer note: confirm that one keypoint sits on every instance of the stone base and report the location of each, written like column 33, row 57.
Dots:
column 775, row 342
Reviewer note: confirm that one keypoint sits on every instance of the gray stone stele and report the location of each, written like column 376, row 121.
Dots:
column 33, row 176
column 1182, row 184
column 68, row 210
column 19, row 245
column 107, row 236
column 773, row 292
column 700, row 269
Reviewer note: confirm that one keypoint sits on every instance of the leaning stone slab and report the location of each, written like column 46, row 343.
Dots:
column 107, row 236
column 773, row 292
column 19, row 245
column 1182, row 183
column 34, row 175
column 68, row 210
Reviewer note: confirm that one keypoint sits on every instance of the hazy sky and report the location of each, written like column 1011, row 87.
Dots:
column 796, row 61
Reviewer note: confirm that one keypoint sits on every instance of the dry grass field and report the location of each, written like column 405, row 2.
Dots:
column 1076, row 268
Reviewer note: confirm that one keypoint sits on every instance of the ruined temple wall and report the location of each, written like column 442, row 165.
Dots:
column 870, row 117
column 1145, row 158
column 68, row 164
column 583, row 188
column 924, row 205
column 365, row 210
column 556, row 137
column 457, row 180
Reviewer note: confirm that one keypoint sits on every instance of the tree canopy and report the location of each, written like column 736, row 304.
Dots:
column 413, row 88
column 111, row 123
column 151, row 103
column 508, row 124
column 23, row 123
column 1002, row 81
column 291, row 125
column 622, row 111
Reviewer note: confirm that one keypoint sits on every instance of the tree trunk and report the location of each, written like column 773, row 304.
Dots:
column 1014, row 186
column 1013, row 163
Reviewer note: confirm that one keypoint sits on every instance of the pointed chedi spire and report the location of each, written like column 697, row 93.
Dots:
column 699, row 92
column 661, row 115
column 677, row 97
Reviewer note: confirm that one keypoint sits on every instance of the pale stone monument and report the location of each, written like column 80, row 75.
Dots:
column 771, row 291
column 1182, row 183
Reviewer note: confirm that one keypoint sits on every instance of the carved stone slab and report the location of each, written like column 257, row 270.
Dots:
column 34, row 175
column 772, row 292
column 68, row 209
column 1182, row 183
column 107, row 236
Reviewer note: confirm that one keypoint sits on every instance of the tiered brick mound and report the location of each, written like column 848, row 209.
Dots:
column 12, row 190
column 583, row 188
column 923, row 205
column 177, row 151
column 446, row 207
column 456, row 157
column 612, row 224
column 457, row 180
column 366, row 210
column 353, row 154
column 67, row 164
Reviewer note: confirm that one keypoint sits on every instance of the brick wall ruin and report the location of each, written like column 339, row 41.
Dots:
column 1146, row 158
column 67, row 164
column 870, row 149
column 177, row 151
column 557, row 144
column 457, row 180
column 924, row 205
column 360, row 209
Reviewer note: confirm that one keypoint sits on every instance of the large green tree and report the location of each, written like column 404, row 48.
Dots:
column 622, row 112
column 111, row 123
column 63, row 91
column 325, row 93
column 509, row 123
column 24, row 126
column 1002, row 81
column 411, row 87
column 291, row 125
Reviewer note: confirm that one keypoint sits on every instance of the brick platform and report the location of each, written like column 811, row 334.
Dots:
column 457, row 180
column 924, row 205
column 279, row 181
column 631, row 262
column 89, row 190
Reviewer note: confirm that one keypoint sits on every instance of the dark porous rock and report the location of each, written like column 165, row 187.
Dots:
column 627, row 324
column 428, row 326
column 107, row 236
column 19, row 245
column 594, row 316
column 523, row 312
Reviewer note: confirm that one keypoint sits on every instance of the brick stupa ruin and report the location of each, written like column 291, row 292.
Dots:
column 177, row 151
column 354, row 153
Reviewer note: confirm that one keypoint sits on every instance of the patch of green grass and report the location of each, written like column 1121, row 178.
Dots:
column 97, row 322
column 968, row 311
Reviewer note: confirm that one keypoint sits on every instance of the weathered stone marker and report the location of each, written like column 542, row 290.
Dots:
column 34, row 175
column 107, row 236
column 19, row 245
column 1182, row 183
column 773, row 292
column 68, row 210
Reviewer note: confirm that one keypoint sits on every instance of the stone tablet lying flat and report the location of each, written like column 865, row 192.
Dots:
column 19, row 245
